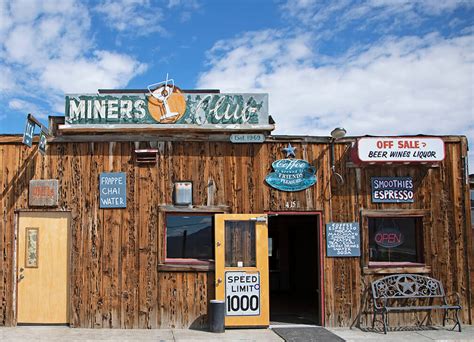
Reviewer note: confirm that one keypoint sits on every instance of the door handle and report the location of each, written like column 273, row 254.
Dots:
column 219, row 280
column 21, row 269
column 21, row 277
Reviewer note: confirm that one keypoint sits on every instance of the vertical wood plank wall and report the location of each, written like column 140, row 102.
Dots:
column 115, row 281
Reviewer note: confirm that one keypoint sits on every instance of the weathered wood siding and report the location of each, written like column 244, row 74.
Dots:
column 115, row 276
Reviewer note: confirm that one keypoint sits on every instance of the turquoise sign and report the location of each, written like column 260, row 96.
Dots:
column 177, row 108
column 291, row 175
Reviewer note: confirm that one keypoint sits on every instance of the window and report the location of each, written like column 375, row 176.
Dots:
column 395, row 240
column 189, row 236
column 240, row 244
column 472, row 209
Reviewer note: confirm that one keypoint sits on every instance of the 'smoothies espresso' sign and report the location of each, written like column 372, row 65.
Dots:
column 392, row 190
column 400, row 150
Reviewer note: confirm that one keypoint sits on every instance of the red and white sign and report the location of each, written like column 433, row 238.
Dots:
column 396, row 150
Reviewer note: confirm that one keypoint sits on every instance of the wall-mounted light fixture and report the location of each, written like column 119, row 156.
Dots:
column 183, row 193
column 336, row 133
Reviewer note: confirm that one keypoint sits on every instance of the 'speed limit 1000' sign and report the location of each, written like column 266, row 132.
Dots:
column 242, row 293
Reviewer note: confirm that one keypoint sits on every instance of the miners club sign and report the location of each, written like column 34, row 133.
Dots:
column 177, row 108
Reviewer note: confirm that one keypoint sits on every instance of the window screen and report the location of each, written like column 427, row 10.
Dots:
column 395, row 239
column 240, row 244
column 189, row 236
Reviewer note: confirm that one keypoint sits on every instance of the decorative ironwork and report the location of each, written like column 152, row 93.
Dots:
column 407, row 286
column 405, row 289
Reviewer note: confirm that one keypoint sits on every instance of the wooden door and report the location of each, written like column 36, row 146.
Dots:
column 43, row 268
column 241, row 254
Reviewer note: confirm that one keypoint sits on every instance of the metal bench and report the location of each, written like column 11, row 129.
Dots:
column 397, row 293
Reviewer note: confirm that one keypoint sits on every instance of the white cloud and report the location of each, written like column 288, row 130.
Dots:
column 374, row 16
column 27, row 107
column 408, row 85
column 46, row 49
column 139, row 16
column 105, row 70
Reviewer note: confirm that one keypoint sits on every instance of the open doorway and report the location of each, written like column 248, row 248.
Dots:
column 294, row 263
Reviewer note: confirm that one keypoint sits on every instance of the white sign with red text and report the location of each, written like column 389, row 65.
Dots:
column 419, row 150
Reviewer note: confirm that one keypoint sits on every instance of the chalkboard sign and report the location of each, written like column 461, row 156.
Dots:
column 342, row 239
column 113, row 190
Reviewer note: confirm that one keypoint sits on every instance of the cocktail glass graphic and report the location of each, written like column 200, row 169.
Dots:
column 162, row 91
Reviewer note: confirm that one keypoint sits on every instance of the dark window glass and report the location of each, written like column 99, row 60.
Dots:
column 189, row 236
column 472, row 208
column 240, row 244
column 396, row 239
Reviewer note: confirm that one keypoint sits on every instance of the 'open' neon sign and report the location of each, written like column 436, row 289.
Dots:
column 389, row 238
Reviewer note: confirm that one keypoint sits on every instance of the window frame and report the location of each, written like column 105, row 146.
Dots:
column 370, row 267
column 184, row 264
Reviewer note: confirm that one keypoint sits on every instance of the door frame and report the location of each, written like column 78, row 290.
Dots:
column 16, row 241
column 319, row 214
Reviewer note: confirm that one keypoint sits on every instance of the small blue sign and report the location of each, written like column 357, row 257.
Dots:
column 392, row 190
column 291, row 175
column 28, row 133
column 113, row 190
column 42, row 143
column 342, row 239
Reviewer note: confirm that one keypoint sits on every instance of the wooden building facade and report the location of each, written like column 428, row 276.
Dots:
column 121, row 273
column 118, row 274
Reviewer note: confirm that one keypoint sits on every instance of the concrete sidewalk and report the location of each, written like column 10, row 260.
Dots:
column 415, row 335
column 48, row 333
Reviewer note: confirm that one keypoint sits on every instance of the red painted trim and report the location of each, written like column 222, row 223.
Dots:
column 321, row 270
column 181, row 261
column 321, row 253
column 377, row 264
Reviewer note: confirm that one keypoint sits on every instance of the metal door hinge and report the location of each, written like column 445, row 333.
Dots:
column 259, row 219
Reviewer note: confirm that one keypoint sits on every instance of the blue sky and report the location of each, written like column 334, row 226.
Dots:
column 373, row 67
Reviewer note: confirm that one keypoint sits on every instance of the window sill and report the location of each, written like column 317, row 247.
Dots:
column 184, row 265
column 395, row 267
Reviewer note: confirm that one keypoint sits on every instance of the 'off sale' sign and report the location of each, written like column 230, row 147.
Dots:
column 242, row 293
column 418, row 150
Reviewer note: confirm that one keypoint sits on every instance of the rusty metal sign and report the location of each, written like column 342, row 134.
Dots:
column 43, row 193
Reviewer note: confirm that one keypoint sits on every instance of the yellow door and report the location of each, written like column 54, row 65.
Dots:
column 43, row 267
column 241, row 253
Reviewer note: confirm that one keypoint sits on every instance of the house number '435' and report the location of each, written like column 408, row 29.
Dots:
column 292, row 204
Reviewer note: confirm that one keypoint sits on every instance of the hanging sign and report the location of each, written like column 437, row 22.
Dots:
column 411, row 150
column 291, row 175
column 392, row 190
column 113, row 190
column 342, row 239
column 242, row 293
column 247, row 138
column 43, row 193
column 28, row 133
column 42, row 143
